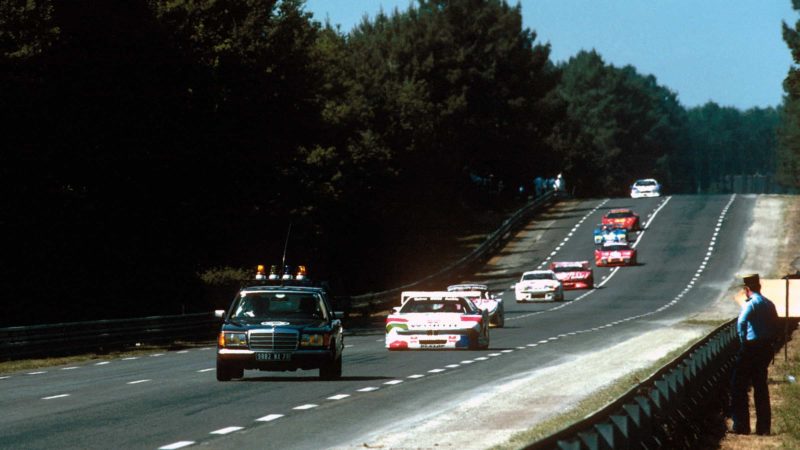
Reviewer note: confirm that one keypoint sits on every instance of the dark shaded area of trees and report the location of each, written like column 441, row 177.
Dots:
column 149, row 141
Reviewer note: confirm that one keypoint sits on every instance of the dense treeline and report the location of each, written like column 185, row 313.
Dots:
column 148, row 141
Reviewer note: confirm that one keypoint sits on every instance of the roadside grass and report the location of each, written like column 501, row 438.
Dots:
column 20, row 365
column 786, row 400
column 588, row 406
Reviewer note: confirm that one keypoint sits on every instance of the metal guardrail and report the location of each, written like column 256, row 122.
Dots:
column 665, row 410
column 103, row 335
column 377, row 301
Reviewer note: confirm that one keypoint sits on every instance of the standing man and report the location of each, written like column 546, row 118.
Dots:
column 757, row 328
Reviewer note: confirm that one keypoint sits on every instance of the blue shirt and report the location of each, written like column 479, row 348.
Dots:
column 758, row 319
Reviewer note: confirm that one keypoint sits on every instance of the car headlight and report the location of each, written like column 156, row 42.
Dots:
column 312, row 340
column 229, row 340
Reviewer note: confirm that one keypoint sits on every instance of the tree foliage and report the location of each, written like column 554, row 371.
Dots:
column 151, row 140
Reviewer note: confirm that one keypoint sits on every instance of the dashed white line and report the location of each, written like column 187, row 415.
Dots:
column 69, row 368
column 338, row 396
column 102, row 363
column 176, row 445
column 415, row 376
column 206, row 370
column 436, row 370
column 306, row 406
column 269, row 417
column 138, row 381
column 55, row 396
column 368, row 389
column 392, row 382
column 37, row 373
column 227, row 430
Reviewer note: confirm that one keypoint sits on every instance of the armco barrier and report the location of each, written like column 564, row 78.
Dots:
column 65, row 338
column 665, row 411
column 58, row 339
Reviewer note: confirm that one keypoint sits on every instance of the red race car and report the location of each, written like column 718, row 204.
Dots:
column 615, row 254
column 574, row 274
column 622, row 218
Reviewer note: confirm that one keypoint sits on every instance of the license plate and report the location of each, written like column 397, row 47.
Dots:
column 273, row 356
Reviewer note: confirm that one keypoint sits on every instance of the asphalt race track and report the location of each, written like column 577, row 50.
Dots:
column 687, row 255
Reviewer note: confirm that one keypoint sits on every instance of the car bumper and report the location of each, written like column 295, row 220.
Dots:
column 645, row 194
column 533, row 296
column 298, row 359
column 427, row 342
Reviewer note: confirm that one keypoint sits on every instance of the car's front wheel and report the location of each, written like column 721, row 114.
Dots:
column 331, row 370
column 224, row 371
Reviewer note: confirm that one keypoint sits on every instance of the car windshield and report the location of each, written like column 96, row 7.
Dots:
column 537, row 276
column 619, row 215
column 645, row 183
column 414, row 305
column 273, row 305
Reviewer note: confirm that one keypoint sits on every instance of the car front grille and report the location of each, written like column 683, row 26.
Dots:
column 273, row 340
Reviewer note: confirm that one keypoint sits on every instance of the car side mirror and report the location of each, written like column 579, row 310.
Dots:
column 219, row 313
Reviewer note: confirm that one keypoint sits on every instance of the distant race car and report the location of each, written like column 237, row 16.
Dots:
column 647, row 187
column 437, row 320
column 483, row 299
column 622, row 218
column 538, row 285
column 609, row 233
column 615, row 254
column 574, row 274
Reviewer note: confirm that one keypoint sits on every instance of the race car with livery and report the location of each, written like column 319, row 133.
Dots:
column 538, row 285
column 622, row 218
column 437, row 320
column 280, row 324
column 647, row 187
column 615, row 254
column 609, row 233
column 483, row 299
column 574, row 274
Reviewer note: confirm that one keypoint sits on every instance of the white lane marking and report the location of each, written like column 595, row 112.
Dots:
column 495, row 354
column 436, row 370
column 37, row 373
column 182, row 352
column 393, row 382
column 348, row 345
column 227, row 430
column 467, row 361
column 481, row 358
column 338, row 396
column 368, row 389
column 55, row 396
column 452, row 366
column 269, row 417
column 646, row 225
column 156, row 355
column 138, row 381
column 102, row 363
column 4, row 378
column 206, row 370
column 130, row 358
column 176, row 445
column 69, row 368
column 506, row 351
column 416, row 376
column 532, row 345
column 306, row 406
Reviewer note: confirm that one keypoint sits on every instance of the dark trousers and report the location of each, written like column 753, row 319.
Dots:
column 751, row 369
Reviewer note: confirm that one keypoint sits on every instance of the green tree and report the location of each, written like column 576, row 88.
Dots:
column 788, row 157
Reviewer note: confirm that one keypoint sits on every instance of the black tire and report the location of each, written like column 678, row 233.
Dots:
column 500, row 318
column 473, row 341
column 223, row 372
column 331, row 370
column 486, row 345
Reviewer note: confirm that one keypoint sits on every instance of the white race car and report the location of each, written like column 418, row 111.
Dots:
column 437, row 320
column 539, row 285
column 647, row 187
column 483, row 299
